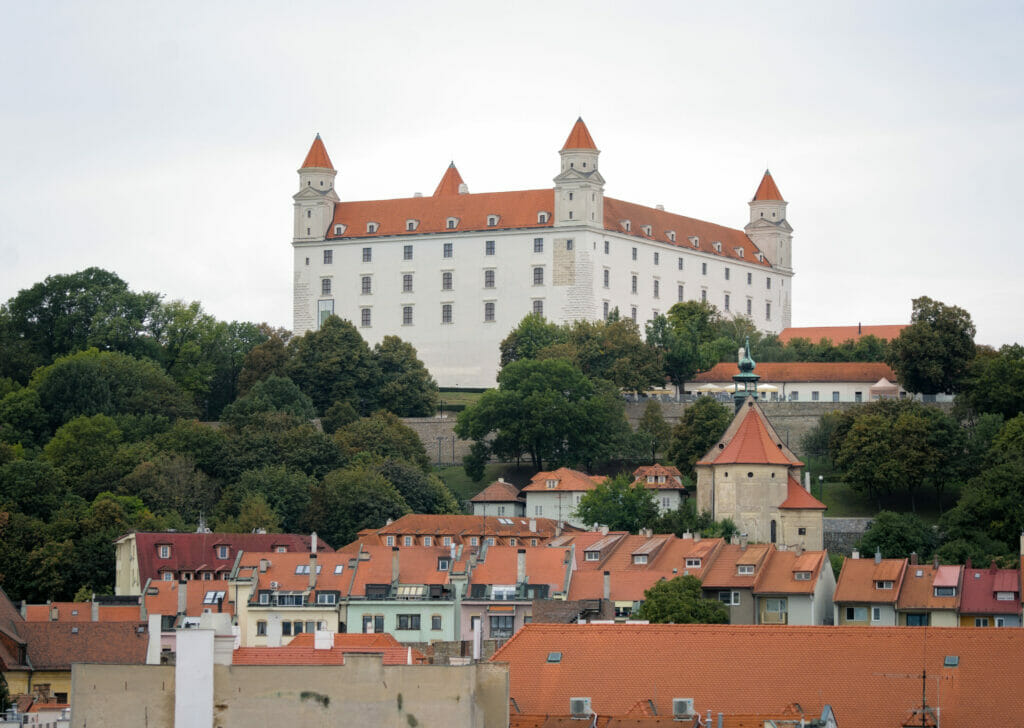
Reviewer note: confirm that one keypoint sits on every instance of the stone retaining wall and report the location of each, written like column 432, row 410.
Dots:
column 842, row 534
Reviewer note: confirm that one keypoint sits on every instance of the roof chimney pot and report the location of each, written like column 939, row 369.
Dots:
column 878, row 556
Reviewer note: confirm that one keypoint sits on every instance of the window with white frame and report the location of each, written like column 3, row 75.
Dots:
column 452, row 223
column 407, row 541
column 371, row 227
column 368, row 252
column 367, row 285
column 634, row 253
column 488, row 247
column 406, row 315
column 538, row 245
column 446, row 313
column 680, row 263
column 538, row 276
column 164, row 550
column 692, row 563
column 446, row 280
column 447, row 250
column 542, row 217
column 657, row 258
column 489, row 278
column 731, row 598
column 744, row 569
column 407, row 283
column 328, row 257
column 492, row 220
column 657, row 288
column 223, row 551
column 407, row 252
column 607, row 277
column 410, row 225
column 639, row 558
column 607, row 247
column 633, row 283
column 679, row 293
column 489, row 311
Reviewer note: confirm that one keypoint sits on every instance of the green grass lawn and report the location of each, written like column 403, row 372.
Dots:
column 464, row 488
column 458, row 398
column 844, row 501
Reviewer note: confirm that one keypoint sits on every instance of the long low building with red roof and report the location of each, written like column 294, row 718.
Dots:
column 810, row 381
column 459, row 270
column 839, row 334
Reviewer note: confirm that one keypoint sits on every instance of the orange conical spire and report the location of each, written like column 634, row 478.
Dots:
column 579, row 137
column 767, row 189
column 449, row 184
column 317, row 156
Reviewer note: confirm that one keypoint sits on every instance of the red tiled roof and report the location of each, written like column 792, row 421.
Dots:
column 459, row 526
column 979, row 591
column 567, row 480
column 750, row 440
column 317, row 157
column 723, row 573
column 450, row 181
column 195, row 551
column 304, row 653
column 839, row 334
column 673, row 478
column 162, row 597
column 350, row 641
column 738, row 669
column 497, row 492
column 797, row 497
column 767, row 190
column 918, row 592
column 543, row 566
column 778, row 574
column 81, row 612
column 55, row 645
column 579, row 137
column 803, row 371
column 10, row 633
column 857, row 581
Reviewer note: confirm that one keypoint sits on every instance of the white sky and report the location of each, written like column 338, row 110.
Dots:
column 161, row 141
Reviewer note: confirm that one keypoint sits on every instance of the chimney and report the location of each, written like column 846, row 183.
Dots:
column 24, row 604
column 394, row 565
column 264, row 565
column 696, row 536
column 54, row 613
column 312, row 543
column 743, row 541
column 734, row 540
column 323, row 639
column 182, row 597
column 607, row 585
column 659, row 207
column 389, row 521
column 807, row 482
column 501, row 480
column 521, row 566
column 860, row 329
column 855, row 554
column 533, row 529
column 878, row 556
column 798, row 550
column 935, row 562
column 913, row 558
column 464, row 190
column 604, row 530
column 95, row 608
column 312, row 569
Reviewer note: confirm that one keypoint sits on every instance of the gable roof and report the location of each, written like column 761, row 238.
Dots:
column 543, row 566
column 980, row 587
column 804, row 371
column 798, row 498
column 161, row 597
column 317, row 157
column 450, row 181
column 750, row 439
column 724, row 572
column 673, row 478
column 497, row 492
column 579, row 137
column 918, row 589
column 746, row 668
column 839, row 334
column 857, row 581
column 566, row 479
column 459, row 526
column 778, row 574
column 767, row 190
column 55, row 645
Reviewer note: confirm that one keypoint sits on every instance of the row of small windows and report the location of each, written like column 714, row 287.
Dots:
column 451, row 223
column 447, row 281
column 366, row 314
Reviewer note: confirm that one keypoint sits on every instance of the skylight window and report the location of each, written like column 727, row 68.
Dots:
column 950, row 661
column 212, row 597
column 557, row 657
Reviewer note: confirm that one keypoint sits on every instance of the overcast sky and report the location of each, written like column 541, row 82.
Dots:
column 160, row 141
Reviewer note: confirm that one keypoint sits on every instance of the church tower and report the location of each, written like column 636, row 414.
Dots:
column 768, row 228
column 314, row 202
column 579, row 187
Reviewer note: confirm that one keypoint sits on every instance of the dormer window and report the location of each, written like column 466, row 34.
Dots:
column 223, row 552
column 693, row 563
column 803, row 576
column 164, row 551
column 647, row 230
column 627, row 225
column 428, row 541
column 639, row 558
column 650, row 478
column 883, row 585
column 407, row 541
column 492, row 220
column 411, row 225
column 592, row 555
column 717, row 246
column 739, row 252
column 453, row 222
column 744, row 569
column 371, row 227
column 759, row 256
column 1005, row 596
column 944, row 591
column 542, row 217
column 551, row 483
column 671, row 235
column 339, row 229
column 443, row 564
column 695, row 241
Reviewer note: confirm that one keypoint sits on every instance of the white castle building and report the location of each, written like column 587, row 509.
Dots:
column 454, row 272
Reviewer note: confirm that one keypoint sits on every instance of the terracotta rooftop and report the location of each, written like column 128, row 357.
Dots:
column 449, row 184
column 767, row 190
column 302, row 652
column 317, row 157
column 162, row 597
column 460, row 526
column 543, row 566
column 918, row 590
column 55, row 645
column 839, row 334
column 11, row 623
column 498, row 492
column 673, row 479
column 857, row 579
column 81, row 612
column 724, row 572
column 797, row 497
column 801, row 371
column 980, row 590
column 750, row 440
column 579, row 137
column 747, row 669
column 566, row 479
column 779, row 573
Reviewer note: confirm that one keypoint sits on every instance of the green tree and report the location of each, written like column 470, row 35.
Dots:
column 334, row 364
column 864, row 454
column 994, row 383
column 273, row 394
column 275, row 439
column 679, row 601
column 33, row 487
column 702, row 425
column 618, row 504
column 526, row 340
column 474, row 463
column 933, row 353
column 84, row 450
column 406, row 387
column 384, row 435
column 657, row 434
column 254, row 513
column 422, row 492
column 347, row 501
column 22, row 419
column 264, row 360
column 171, row 484
column 897, row 535
column 285, row 490
column 337, row 416
column 816, row 441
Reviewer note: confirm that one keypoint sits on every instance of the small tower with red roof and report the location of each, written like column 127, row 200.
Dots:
column 768, row 228
column 314, row 202
column 579, row 186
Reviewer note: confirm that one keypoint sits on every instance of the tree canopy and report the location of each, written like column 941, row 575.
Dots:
column 679, row 601
column 933, row 353
column 618, row 504
column 702, row 424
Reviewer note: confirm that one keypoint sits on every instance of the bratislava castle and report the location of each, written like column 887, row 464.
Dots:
column 454, row 272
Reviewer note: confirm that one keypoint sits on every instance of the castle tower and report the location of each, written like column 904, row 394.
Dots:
column 579, row 187
column 314, row 202
column 768, row 228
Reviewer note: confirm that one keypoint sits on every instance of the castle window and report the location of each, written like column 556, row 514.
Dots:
column 726, row 301
column 717, row 246
column 411, row 225
column 740, row 252
column 727, row 273
column 607, row 277
column 568, row 244
column 750, row 306
column 367, row 255
column 365, row 317
column 488, row 279
column 492, row 220
column 680, row 263
column 447, row 250
column 309, row 214
column 407, row 283
column 406, row 315
column 339, row 229
column 325, row 286
column 634, row 253
column 446, row 313
column 814, row 396
column 165, row 551
column 489, row 311
column 632, row 313
column 657, row 288
column 446, row 281
column 647, row 230
column 680, row 297
column 488, row 247
column 704, row 295
column 627, row 225
column 672, row 235
column 768, row 283
column 607, row 246
column 538, row 276
column 452, row 223
column 371, row 227
column 407, row 252
column 538, row 307
column 570, row 194
column 538, row 245
column 604, row 309
column 657, row 259
column 633, row 284
column 324, row 309
column 367, row 285
column 328, row 257
column 703, row 269
column 768, row 311
column 542, row 217
column 750, row 278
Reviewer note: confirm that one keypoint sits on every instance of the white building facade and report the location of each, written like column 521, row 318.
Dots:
column 454, row 272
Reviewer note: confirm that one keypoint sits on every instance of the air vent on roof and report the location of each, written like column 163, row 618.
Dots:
column 682, row 707
column 554, row 657
column 275, row 585
column 579, row 707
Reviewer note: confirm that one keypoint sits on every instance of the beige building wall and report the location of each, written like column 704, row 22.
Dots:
column 361, row 693
column 23, row 681
column 126, row 568
column 813, row 523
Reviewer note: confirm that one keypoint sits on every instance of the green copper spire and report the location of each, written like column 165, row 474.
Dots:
column 746, row 381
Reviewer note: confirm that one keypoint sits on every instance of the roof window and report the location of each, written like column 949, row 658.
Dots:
column 693, row 563
column 372, row 227
column 627, row 225
column 950, row 661
column 745, row 569
column 760, row 257
column 591, row 555
column 557, row 657
column 739, row 252
column 542, row 217
column 802, row 575
column 717, row 246
column 671, row 235
column 492, row 220
column 453, row 222
column 339, row 229
column 694, row 241
column 411, row 225
column 647, row 230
